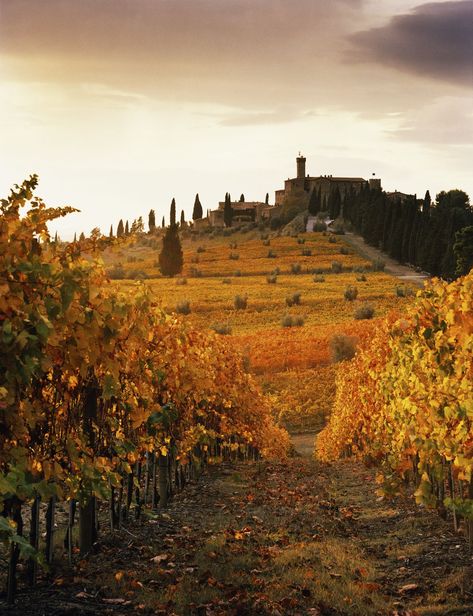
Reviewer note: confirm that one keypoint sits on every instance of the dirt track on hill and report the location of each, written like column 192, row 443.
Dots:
column 403, row 272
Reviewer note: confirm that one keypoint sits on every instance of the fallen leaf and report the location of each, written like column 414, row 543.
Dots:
column 408, row 588
column 117, row 601
column 160, row 558
column 84, row 595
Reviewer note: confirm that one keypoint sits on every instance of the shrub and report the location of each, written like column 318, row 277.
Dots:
column 181, row 281
column 271, row 254
column 319, row 278
column 264, row 236
column 378, row 265
column 351, row 293
column 196, row 273
column 227, row 232
column 117, row 272
column 342, row 347
column 319, row 225
column 183, row 307
column 137, row 275
column 266, row 242
column 271, row 278
column 332, row 239
column 289, row 321
column 359, row 269
column 233, row 245
column 227, row 281
column 361, row 278
column 337, row 267
column 365, row 311
column 404, row 291
column 223, row 330
column 344, row 250
column 201, row 249
column 296, row 268
column 241, row 302
column 338, row 228
column 293, row 300
column 276, row 271
column 237, row 273
column 301, row 240
column 318, row 270
column 234, row 256
column 306, row 252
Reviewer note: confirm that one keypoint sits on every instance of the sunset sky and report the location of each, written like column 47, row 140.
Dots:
column 120, row 105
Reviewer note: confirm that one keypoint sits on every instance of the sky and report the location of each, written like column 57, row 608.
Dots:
column 121, row 105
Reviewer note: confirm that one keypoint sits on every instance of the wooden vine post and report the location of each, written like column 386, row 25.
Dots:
column 87, row 521
column 163, row 462
column 14, row 551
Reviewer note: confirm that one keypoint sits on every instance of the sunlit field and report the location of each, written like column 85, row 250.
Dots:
column 280, row 300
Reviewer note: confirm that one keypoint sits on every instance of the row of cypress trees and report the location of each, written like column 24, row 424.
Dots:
column 436, row 236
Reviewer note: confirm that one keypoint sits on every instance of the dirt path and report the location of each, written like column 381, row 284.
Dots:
column 403, row 272
column 295, row 538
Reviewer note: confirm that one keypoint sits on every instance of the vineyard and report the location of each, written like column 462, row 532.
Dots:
column 282, row 281
column 104, row 397
column 145, row 462
column 406, row 403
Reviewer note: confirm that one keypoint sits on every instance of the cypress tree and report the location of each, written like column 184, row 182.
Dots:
column 163, row 223
column 120, row 229
column 242, row 198
column 127, row 228
column 427, row 203
column 137, row 226
column 111, row 231
column 197, row 212
column 228, row 211
column 334, row 203
column 171, row 258
column 267, row 199
column 151, row 221
column 463, row 251
column 81, row 237
column 337, row 202
column 55, row 238
column 75, row 237
column 172, row 214
column 183, row 218
column 314, row 204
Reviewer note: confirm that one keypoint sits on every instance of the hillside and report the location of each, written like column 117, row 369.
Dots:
column 293, row 364
column 132, row 402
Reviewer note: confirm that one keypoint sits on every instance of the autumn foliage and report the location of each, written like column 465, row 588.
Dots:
column 93, row 378
column 406, row 400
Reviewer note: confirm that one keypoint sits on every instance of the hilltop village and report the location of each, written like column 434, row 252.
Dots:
column 296, row 191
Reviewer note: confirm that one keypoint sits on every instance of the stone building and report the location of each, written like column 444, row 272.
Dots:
column 302, row 185
column 243, row 212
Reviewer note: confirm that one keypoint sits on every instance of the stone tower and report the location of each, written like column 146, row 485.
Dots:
column 300, row 167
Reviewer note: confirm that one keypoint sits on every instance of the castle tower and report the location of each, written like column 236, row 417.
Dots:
column 300, row 166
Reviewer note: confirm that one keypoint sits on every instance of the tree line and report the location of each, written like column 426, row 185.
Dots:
column 436, row 236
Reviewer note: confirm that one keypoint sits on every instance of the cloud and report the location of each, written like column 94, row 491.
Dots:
column 448, row 120
column 173, row 44
column 435, row 40
column 282, row 115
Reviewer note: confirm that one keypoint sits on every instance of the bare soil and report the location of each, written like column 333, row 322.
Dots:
column 296, row 538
